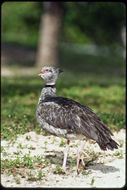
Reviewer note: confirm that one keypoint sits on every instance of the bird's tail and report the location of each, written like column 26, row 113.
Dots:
column 109, row 145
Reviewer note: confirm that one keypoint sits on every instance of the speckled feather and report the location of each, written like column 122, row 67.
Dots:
column 69, row 119
column 65, row 114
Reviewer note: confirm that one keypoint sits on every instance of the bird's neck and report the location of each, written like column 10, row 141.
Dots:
column 48, row 90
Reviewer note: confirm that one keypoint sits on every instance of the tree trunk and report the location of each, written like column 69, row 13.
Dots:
column 123, row 36
column 49, row 34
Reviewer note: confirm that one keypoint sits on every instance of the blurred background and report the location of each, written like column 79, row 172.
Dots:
column 86, row 40
column 50, row 33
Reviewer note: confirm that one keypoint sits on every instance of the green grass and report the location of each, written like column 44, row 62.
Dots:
column 15, row 166
column 63, row 142
column 97, row 82
column 26, row 161
column 58, row 170
column 92, row 181
column 118, row 153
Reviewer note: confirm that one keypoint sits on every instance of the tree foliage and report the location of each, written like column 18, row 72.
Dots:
column 20, row 22
column 99, row 22
column 83, row 22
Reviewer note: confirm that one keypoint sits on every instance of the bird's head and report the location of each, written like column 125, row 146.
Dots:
column 50, row 74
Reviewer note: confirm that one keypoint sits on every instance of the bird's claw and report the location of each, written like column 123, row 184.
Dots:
column 77, row 171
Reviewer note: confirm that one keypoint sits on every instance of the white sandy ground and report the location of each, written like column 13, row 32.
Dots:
column 107, row 170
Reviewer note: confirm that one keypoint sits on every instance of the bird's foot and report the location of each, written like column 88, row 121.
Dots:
column 77, row 171
column 86, row 155
column 83, row 163
column 64, row 168
column 80, row 161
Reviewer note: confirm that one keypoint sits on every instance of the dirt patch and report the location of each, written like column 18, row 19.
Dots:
column 40, row 158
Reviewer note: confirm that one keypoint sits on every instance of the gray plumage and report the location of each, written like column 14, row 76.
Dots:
column 67, row 118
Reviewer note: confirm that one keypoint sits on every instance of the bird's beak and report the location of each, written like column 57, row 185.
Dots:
column 41, row 73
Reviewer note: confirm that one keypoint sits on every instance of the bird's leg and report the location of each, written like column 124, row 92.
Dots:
column 65, row 155
column 79, row 154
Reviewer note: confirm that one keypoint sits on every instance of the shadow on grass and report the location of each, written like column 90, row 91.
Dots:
column 69, row 60
column 20, row 86
column 25, row 85
column 80, row 70
column 107, row 66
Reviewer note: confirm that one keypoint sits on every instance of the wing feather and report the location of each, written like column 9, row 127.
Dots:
column 76, row 118
column 70, row 115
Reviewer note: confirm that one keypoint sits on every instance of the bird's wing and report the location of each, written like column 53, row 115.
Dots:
column 70, row 115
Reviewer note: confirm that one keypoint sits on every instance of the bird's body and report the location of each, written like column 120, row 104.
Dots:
column 67, row 118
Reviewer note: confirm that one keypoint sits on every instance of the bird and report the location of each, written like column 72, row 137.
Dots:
column 67, row 118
